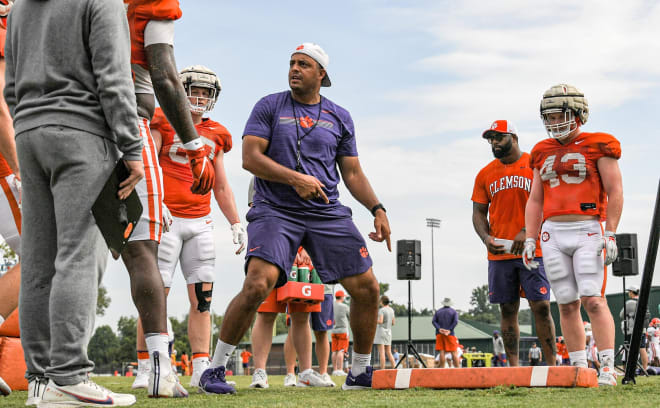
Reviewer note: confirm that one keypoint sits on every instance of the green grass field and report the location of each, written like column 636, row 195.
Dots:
column 645, row 393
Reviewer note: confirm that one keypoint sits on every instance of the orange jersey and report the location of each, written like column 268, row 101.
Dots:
column 571, row 181
column 245, row 356
column 139, row 13
column 505, row 188
column 177, row 177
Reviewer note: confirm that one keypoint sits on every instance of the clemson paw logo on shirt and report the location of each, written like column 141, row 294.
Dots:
column 364, row 252
column 306, row 122
column 543, row 290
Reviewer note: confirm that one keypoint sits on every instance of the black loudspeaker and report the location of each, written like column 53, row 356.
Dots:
column 409, row 259
column 626, row 262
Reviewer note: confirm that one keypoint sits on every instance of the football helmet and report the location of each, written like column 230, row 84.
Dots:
column 201, row 77
column 566, row 99
column 655, row 322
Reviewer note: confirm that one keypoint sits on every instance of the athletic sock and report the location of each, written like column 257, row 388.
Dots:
column 360, row 363
column 607, row 357
column 143, row 360
column 222, row 353
column 200, row 361
column 159, row 342
column 578, row 358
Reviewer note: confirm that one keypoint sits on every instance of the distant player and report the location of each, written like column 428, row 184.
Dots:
column 653, row 333
column 340, row 339
column 577, row 184
column 190, row 241
column 591, row 349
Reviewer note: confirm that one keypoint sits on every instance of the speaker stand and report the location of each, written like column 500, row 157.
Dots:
column 410, row 347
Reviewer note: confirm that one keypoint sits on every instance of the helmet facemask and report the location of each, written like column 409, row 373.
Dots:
column 200, row 104
column 199, row 76
column 560, row 130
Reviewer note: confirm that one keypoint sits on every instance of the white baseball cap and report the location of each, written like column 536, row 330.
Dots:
column 500, row 126
column 316, row 52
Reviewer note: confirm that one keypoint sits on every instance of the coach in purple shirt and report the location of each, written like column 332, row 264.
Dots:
column 300, row 145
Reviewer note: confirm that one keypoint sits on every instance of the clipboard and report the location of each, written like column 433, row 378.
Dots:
column 116, row 218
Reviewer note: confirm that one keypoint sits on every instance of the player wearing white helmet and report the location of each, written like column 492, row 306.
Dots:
column 590, row 347
column 653, row 333
column 190, row 240
column 577, row 185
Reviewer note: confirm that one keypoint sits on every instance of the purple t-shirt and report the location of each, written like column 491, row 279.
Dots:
column 333, row 136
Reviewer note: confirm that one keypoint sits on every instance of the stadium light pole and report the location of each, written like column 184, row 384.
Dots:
column 433, row 223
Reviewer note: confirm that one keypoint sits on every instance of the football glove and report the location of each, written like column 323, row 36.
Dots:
column 609, row 244
column 240, row 236
column 528, row 254
column 202, row 169
column 167, row 219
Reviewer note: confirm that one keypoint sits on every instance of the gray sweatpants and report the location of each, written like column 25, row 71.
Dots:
column 63, row 253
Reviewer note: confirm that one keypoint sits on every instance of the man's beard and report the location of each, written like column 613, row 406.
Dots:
column 503, row 150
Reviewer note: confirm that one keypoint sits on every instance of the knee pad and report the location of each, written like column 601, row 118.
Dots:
column 203, row 305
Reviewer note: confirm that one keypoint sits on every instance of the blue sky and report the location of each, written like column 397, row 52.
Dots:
column 422, row 80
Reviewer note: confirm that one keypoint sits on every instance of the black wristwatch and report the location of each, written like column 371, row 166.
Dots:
column 377, row 207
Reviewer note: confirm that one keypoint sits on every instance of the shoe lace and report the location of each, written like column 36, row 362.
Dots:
column 95, row 385
column 218, row 373
column 38, row 383
column 260, row 375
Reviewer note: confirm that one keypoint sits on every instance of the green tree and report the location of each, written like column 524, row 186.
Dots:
column 181, row 341
column 482, row 310
column 280, row 324
column 127, row 333
column 6, row 251
column 103, row 346
column 384, row 287
column 102, row 301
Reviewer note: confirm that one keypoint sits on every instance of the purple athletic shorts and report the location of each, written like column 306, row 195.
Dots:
column 331, row 238
column 325, row 319
column 507, row 277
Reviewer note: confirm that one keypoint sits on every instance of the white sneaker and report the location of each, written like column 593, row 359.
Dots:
column 290, row 380
column 4, row 388
column 325, row 377
column 142, row 377
column 167, row 386
column 339, row 373
column 36, row 388
column 84, row 394
column 607, row 377
column 197, row 374
column 310, row 378
column 259, row 379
